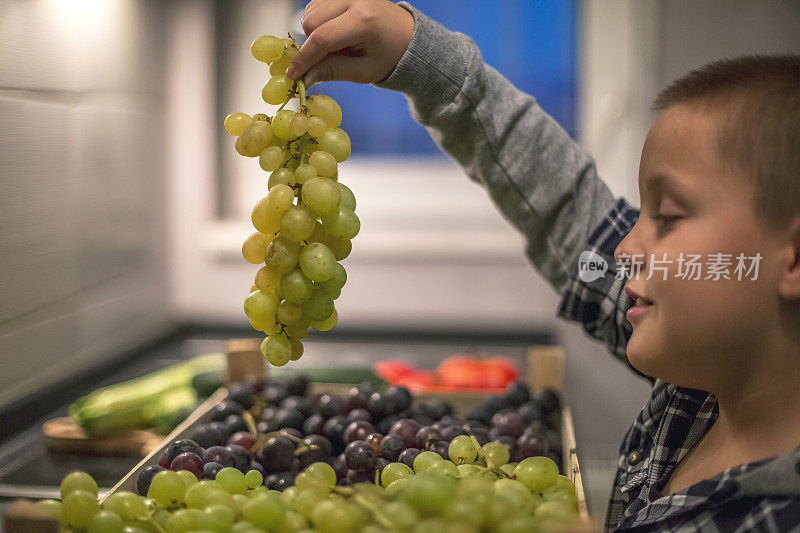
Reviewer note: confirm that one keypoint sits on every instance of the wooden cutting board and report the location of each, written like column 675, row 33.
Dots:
column 63, row 435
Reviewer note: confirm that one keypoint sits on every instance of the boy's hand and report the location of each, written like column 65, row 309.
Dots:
column 351, row 40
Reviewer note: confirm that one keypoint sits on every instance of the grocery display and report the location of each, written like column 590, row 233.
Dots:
column 305, row 223
column 276, row 457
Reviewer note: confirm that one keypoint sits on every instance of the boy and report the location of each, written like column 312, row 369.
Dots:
column 717, row 446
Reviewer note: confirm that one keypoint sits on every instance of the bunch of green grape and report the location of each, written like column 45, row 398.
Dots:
column 472, row 492
column 307, row 219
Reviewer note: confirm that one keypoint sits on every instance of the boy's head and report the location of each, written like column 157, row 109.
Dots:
column 719, row 181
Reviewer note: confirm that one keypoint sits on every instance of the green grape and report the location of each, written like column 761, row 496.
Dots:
column 260, row 116
column 297, row 126
column 184, row 520
column 267, row 511
column 282, row 176
column 128, row 505
column 254, row 248
column 105, row 522
column 218, row 518
column 267, row 48
column 508, row 468
column 323, row 470
column 394, row 471
column 283, row 62
column 289, row 312
column 280, row 198
column 282, row 254
column 318, row 235
column 496, row 452
column 318, row 307
column 277, row 349
column 255, row 138
column 198, row 494
column 323, row 162
column 167, row 489
column 280, row 124
column 341, row 248
column 327, row 324
column 298, row 331
column 424, row 460
column 304, row 481
column 348, row 199
column 317, row 262
column 321, row 195
column 78, row 481
column 297, row 349
column 563, row 483
column 429, row 492
column 304, row 173
column 342, row 223
column 336, row 142
column 337, row 280
column 267, row 280
column 551, row 494
column 536, row 473
column 78, row 507
column 305, row 500
column 267, row 326
column 519, row 524
column 502, row 505
column 271, row 158
column 462, row 450
column 50, row 508
column 232, row 480
column 469, row 510
column 261, row 305
column 444, row 467
column 296, row 287
column 264, row 220
column 335, row 516
column 246, row 527
column 397, row 486
column 315, row 126
column 297, row 223
column 276, row 91
column 326, row 108
column 253, row 479
column 401, row 515
column 469, row 469
column 556, row 509
column 236, row 123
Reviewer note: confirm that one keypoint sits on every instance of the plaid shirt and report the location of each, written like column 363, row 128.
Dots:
column 759, row 496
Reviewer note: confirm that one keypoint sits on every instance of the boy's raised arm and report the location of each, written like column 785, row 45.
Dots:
column 540, row 179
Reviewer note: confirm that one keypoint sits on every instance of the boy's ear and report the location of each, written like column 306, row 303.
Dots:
column 789, row 286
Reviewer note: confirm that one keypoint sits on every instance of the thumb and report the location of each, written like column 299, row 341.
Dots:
column 336, row 67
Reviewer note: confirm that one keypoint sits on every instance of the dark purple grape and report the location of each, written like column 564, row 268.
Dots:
column 278, row 455
column 297, row 384
column 408, row 455
column 548, row 399
column 357, row 431
column 223, row 428
column 353, row 477
column 441, row 447
column 236, row 423
column 511, row 424
column 330, row 405
column 379, row 406
column 255, row 465
column 536, row 427
column 145, row 477
column 280, row 480
column 188, row 461
column 310, row 455
column 553, row 439
column 224, row 409
column 300, row 403
column 380, row 464
column 275, row 394
column 182, row 446
column 557, row 459
column 218, row 454
column 359, row 456
column 241, row 393
column 427, row 435
column 313, row 424
column 374, row 441
column 386, row 423
column 241, row 457
column 517, row 393
column 407, row 430
column 481, row 414
column 289, row 418
column 531, row 446
column 244, row 439
column 531, row 411
column 495, row 404
column 481, row 435
column 339, row 465
column 162, row 462
column 391, row 446
column 359, row 414
column 451, row 432
column 210, row 470
column 320, row 442
column 399, row 398
column 292, row 432
column 440, row 409
column 333, row 430
column 358, row 396
column 552, row 419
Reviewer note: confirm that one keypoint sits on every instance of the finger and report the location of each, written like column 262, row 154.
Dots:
column 319, row 13
column 336, row 67
column 332, row 36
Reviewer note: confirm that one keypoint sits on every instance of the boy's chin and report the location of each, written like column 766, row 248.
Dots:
column 643, row 356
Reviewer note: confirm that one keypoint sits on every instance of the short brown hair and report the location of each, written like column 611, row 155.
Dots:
column 760, row 131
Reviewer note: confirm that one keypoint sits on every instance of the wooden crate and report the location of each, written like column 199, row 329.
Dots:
column 545, row 364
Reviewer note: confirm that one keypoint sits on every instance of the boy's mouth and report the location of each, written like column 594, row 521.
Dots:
column 642, row 304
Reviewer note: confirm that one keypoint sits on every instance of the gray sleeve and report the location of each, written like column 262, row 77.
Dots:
column 539, row 178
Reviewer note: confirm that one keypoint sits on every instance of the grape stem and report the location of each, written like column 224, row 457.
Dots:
column 380, row 517
column 301, row 89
